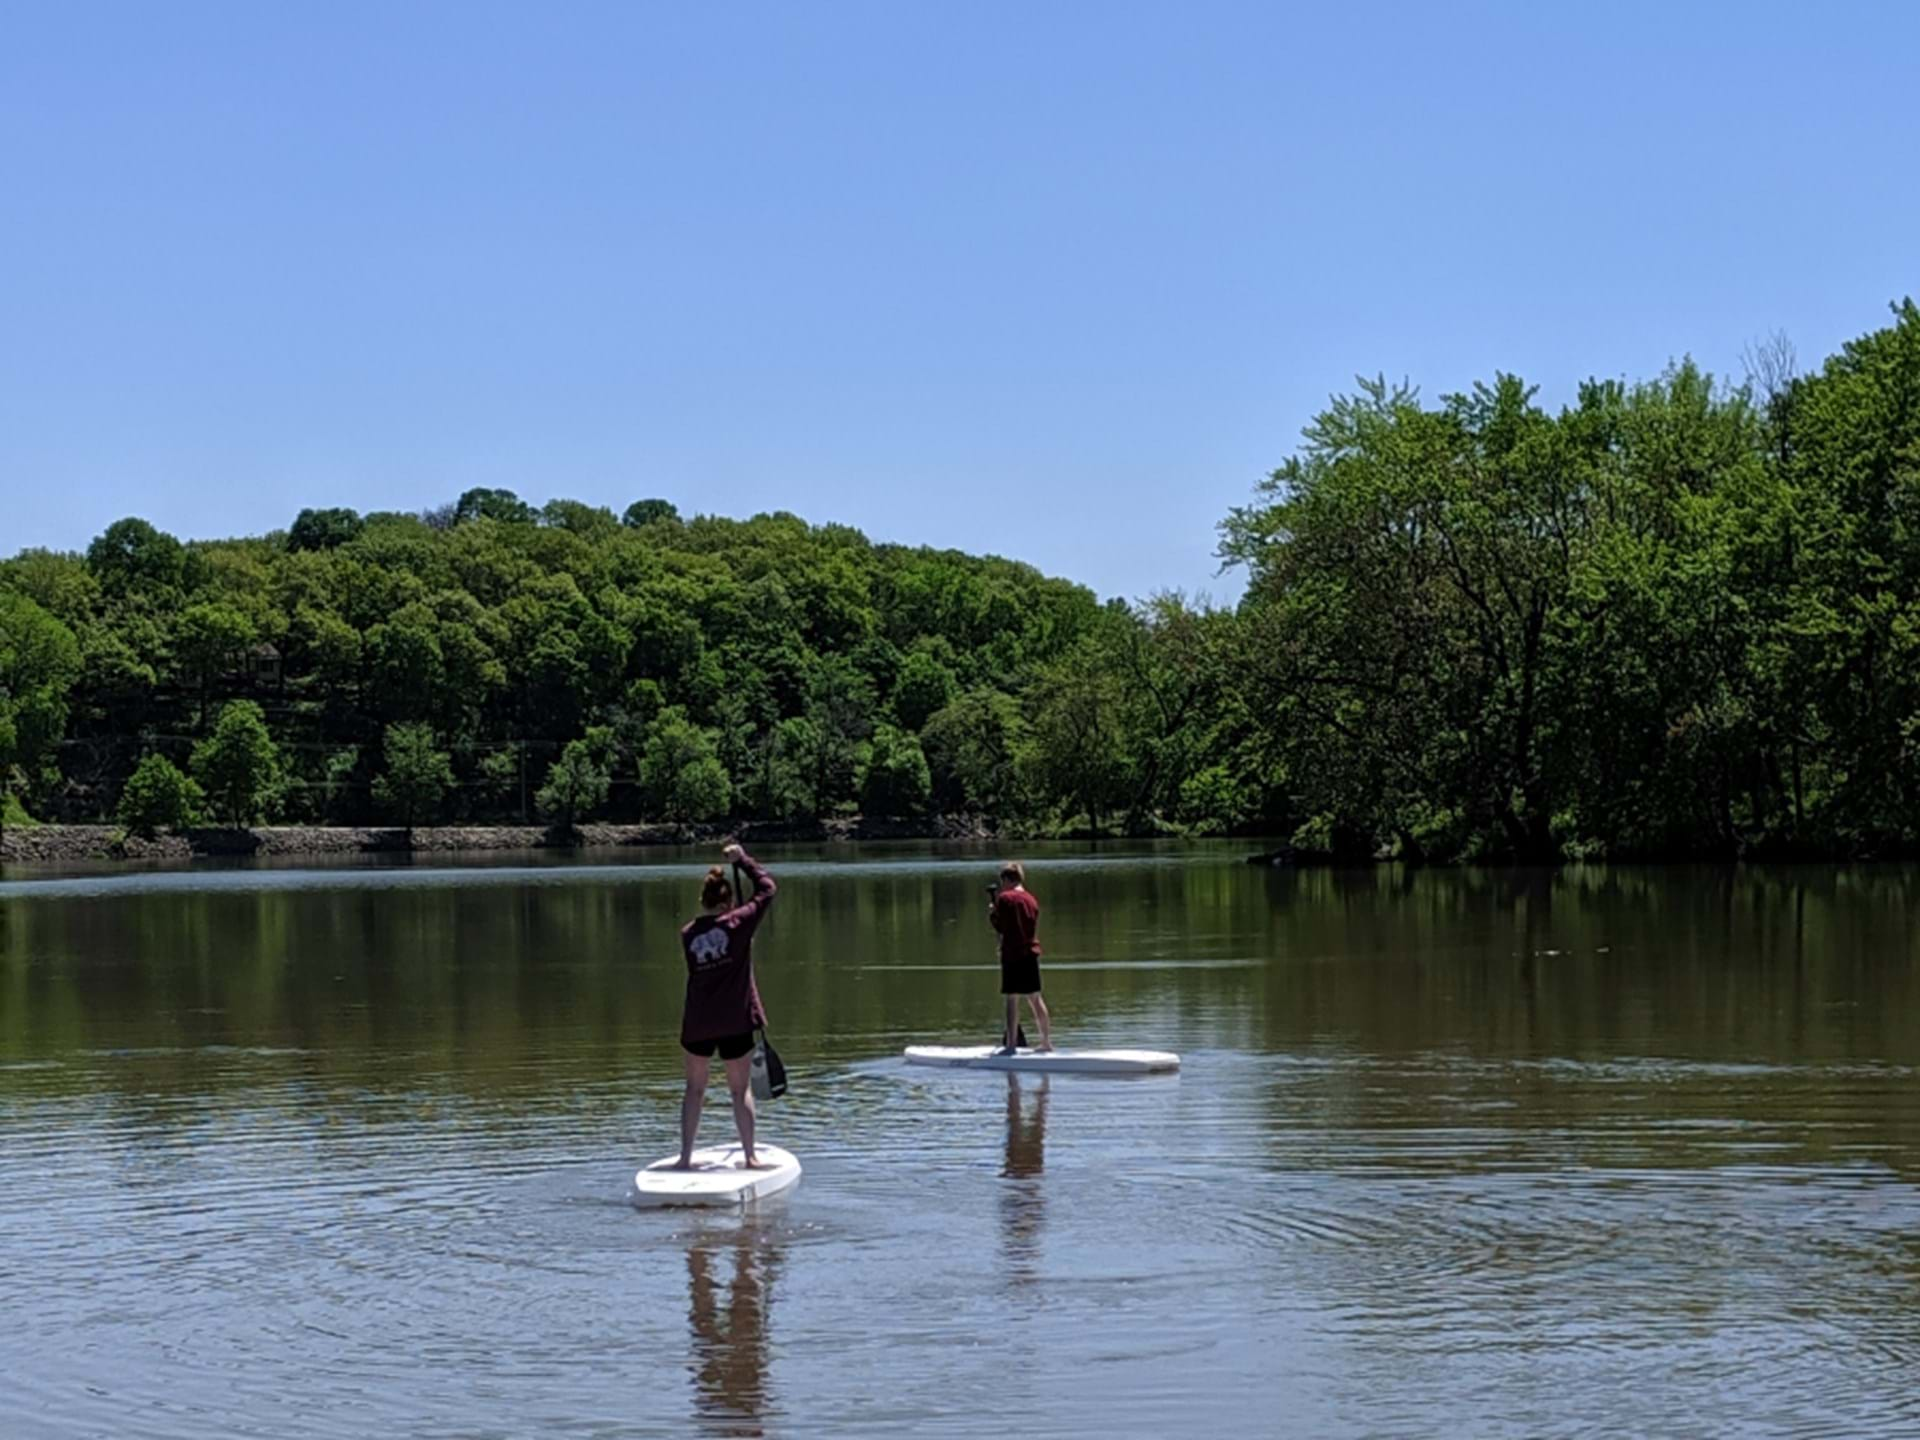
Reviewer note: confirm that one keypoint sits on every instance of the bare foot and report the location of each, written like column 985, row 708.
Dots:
column 756, row 1164
column 685, row 1162
column 1043, row 1048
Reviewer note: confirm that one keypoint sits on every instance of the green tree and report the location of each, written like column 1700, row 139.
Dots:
column 972, row 750
column 500, row 775
column 500, row 505
column 238, row 765
column 1077, row 753
column 576, row 785
column 788, row 792
column 646, row 512
column 577, row 518
column 131, row 557
column 417, row 777
column 324, row 529
column 924, row 688
column 58, row 583
column 210, row 641
column 701, row 791
column 1411, row 571
column 406, row 668
column 681, row 777
column 840, row 708
column 337, row 783
column 39, row 662
column 896, row 782
column 159, row 796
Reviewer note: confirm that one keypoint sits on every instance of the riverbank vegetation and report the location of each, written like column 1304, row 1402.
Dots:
column 1676, row 618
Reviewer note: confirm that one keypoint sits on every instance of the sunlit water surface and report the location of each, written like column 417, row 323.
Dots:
column 345, row 1152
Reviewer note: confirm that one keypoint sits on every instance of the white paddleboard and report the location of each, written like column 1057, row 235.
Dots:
column 716, row 1178
column 1053, row 1062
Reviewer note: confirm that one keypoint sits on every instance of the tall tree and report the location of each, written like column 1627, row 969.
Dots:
column 418, row 775
column 39, row 661
column 238, row 765
column 576, row 785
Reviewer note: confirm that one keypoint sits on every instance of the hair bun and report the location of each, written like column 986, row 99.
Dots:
column 716, row 889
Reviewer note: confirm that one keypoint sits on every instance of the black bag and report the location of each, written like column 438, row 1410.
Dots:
column 769, row 1075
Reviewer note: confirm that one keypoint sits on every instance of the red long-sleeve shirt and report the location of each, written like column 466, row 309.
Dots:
column 1016, row 915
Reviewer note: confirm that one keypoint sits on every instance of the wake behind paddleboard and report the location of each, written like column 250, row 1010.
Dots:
column 716, row 1178
column 1053, row 1062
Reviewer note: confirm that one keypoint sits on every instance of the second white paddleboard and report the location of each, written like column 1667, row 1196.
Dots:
column 1056, row 1062
column 716, row 1178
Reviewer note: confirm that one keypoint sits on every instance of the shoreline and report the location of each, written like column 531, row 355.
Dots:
column 63, row 844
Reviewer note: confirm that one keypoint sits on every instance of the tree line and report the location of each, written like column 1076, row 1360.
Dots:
column 492, row 660
column 1675, row 618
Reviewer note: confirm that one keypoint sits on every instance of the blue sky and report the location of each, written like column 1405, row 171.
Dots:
column 1057, row 281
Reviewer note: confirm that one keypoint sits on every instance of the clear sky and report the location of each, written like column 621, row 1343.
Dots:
column 1059, row 281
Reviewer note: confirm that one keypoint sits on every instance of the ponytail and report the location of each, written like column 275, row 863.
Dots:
column 717, row 891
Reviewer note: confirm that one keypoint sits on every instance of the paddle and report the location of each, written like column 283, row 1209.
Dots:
column 769, row 1074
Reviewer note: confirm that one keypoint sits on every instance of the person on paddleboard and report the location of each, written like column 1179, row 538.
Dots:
column 723, row 1003
column 1016, row 915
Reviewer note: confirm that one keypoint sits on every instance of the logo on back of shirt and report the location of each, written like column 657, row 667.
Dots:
column 708, row 946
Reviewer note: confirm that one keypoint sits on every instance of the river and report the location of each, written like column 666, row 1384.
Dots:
column 344, row 1151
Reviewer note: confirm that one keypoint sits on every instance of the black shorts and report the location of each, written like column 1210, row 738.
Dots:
column 1020, row 975
column 731, row 1047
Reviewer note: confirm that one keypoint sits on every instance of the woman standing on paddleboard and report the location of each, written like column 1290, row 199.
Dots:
column 723, row 1004
column 1016, row 915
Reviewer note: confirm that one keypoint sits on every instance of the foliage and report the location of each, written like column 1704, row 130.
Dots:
column 1670, row 619
column 576, row 785
column 238, row 766
column 209, row 641
column 681, row 777
column 972, row 749
column 39, row 662
column 417, row 776
column 159, row 796
column 897, row 781
column 924, row 687
column 646, row 512
column 323, row 529
column 1676, row 617
column 336, row 784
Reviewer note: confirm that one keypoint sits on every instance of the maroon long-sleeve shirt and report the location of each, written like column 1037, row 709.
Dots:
column 722, row 998
column 1016, row 915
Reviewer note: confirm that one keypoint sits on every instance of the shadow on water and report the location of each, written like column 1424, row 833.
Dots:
column 1023, row 1197
column 731, row 1278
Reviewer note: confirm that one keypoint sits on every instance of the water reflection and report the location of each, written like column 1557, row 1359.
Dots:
column 1568, row 1152
column 730, row 1280
column 1023, row 1198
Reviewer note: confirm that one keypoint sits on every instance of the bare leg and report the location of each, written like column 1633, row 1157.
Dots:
column 690, row 1106
column 740, row 1084
column 1012, row 1032
column 1042, row 1019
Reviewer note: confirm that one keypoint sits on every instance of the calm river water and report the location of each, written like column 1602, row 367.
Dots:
column 345, row 1152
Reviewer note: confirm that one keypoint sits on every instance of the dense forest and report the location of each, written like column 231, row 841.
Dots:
column 1673, row 618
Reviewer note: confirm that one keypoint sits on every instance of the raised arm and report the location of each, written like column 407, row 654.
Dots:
column 751, row 911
